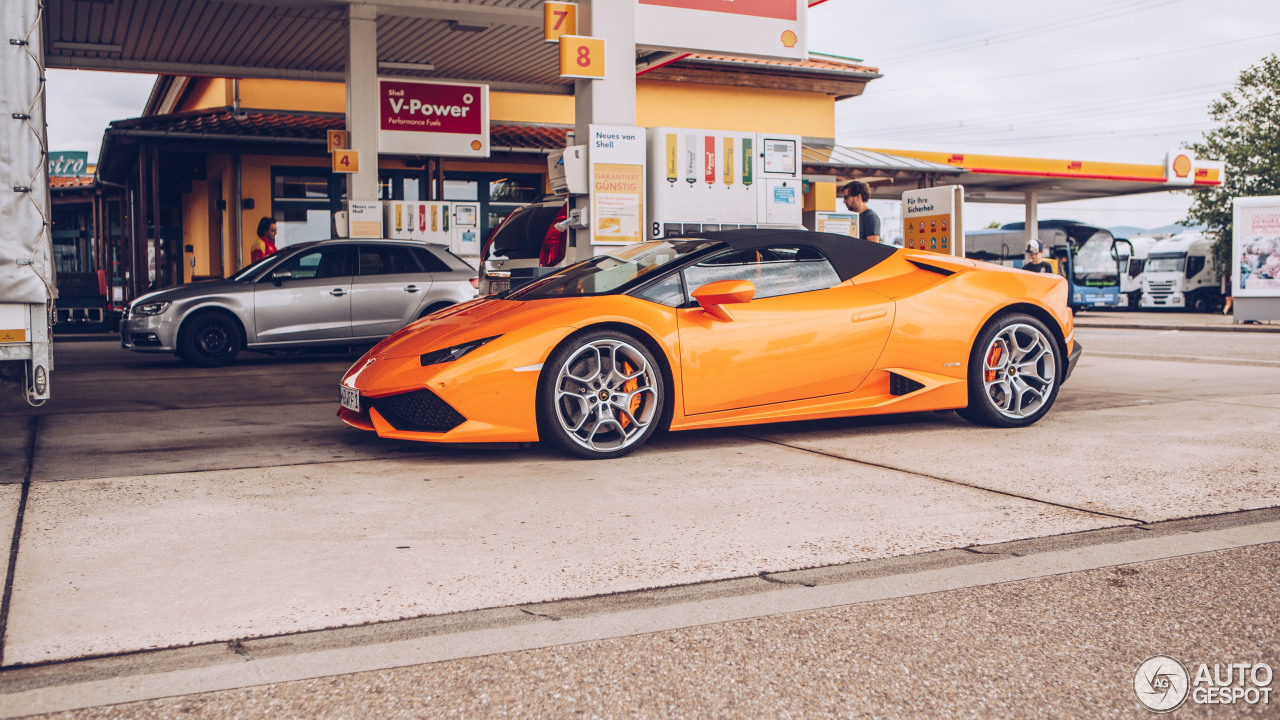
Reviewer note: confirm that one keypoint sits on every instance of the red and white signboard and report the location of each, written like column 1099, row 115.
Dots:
column 432, row 118
column 763, row 28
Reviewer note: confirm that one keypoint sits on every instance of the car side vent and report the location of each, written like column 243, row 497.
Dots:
column 900, row 385
column 932, row 268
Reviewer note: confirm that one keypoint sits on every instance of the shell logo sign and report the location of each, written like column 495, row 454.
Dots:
column 433, row 118
column 763, row 28
column 1181, row 169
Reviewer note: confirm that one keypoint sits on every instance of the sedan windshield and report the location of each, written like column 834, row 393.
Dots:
column 613, row 272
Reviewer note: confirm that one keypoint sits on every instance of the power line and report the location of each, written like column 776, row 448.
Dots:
column 1038, row 28
column 1080, row 67
column 1055, row 115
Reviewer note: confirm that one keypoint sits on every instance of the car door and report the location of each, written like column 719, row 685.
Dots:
column 804, row 335
column 389, row 289
column 305, row 298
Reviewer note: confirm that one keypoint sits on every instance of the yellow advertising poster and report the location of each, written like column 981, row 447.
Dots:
column 617, row 202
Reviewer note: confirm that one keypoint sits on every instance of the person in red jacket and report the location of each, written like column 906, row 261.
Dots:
column 266, row 242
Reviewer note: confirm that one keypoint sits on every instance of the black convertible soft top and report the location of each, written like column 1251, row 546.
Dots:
column 849, row 256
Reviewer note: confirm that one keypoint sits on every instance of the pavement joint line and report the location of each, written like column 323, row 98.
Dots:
column 627, row 623
column 1187, row 359
column 12, row 565
column 950, row 481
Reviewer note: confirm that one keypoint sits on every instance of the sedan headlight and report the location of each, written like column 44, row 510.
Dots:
column 450, row 354
column 150, row 308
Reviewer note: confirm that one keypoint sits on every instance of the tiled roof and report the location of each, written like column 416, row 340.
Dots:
column 779, row 64
column 70, row 181
column 223, row 123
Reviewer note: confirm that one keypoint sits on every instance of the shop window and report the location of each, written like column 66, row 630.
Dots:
column 499, row 194
column 302, row 201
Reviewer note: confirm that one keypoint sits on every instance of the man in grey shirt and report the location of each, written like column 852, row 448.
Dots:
column 856, row 194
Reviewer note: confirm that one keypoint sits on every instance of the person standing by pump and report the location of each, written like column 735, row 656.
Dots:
column 266, row 243
column 856, row 194
column 1036, row 262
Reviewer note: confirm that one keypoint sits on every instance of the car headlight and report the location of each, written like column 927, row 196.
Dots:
column 150, row 308
column 450, row 354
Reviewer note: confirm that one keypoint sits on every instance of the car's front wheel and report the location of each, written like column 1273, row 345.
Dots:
column 209, row 339
column 600, row 395
column 1013, row 372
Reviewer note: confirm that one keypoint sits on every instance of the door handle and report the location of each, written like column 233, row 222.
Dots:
column 411, row 288
column 337, row 292
column 870, row 315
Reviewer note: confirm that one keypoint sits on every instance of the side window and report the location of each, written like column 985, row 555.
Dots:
column 774, row 271
column 319, row 263
column 668, row 292
column 1195, row 264
column 430, row 262
column 387, row 260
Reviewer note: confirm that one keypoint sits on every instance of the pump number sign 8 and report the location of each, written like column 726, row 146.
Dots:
column 581, row 57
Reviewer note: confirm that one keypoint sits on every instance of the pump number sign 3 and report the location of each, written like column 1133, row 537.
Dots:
column 581, row 57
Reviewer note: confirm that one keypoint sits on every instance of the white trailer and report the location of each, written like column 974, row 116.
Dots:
column 27, row 283
column 1180, row 273
column 1133, row 262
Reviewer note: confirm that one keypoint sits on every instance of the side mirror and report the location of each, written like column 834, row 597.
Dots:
column 280, row 276
column 714, row 296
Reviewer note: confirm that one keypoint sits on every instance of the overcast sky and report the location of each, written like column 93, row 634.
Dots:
column 1103, row 80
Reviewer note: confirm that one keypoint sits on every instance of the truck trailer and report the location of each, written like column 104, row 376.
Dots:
column 1180, row 274
column 27, row 282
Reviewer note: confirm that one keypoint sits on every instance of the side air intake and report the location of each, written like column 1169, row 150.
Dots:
column 900, row 385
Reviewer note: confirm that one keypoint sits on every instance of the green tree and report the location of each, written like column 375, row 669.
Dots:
column 1248, row 139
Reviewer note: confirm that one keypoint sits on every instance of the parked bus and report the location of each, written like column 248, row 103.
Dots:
column 1087, row 256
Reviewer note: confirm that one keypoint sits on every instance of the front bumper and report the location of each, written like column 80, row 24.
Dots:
column 1074, row 359
column 147, row 333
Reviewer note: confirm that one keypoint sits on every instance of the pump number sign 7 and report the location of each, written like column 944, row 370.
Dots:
column 581, row 57
column 559, row 19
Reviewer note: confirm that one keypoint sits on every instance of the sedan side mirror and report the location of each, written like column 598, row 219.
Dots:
column 280, row 276
column 714, row 296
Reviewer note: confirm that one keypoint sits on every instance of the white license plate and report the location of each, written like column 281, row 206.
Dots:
column 350, row 398
column 499, row 286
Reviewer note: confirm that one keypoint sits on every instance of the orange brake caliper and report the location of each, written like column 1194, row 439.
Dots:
column 630, row 386
column 993, row 357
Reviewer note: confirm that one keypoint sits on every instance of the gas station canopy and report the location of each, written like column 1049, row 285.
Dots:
column 498, row 42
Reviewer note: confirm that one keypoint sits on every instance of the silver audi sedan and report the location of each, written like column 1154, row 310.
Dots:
column 327, row 293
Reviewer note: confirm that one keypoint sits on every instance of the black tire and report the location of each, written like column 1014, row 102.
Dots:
column 437, row 307
column 600, row 395
column 1197, row 303
column 1005, row 394
column 209, row 338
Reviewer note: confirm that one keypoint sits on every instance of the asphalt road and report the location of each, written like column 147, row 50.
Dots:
column 170, row 507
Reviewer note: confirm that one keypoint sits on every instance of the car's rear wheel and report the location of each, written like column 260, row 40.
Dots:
column 600, row 395
column 209, row 339
column 1013, row 372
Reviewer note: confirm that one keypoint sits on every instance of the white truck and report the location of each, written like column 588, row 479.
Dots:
column 1180, row 273
column 1133, row 262
column 27, row 283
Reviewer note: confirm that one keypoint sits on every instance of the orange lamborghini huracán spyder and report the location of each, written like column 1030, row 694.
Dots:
column 719, row 329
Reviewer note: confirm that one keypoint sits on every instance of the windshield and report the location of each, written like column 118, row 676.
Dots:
column 1094, row 265
column 612, row 272
column 252, row 268
column 1166, row 263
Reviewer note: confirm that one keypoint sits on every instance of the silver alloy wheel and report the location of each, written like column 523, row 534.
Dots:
column 606, row 395
column 1019, row 370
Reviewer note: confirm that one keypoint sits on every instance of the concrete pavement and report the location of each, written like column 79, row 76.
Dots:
column 218, row 506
